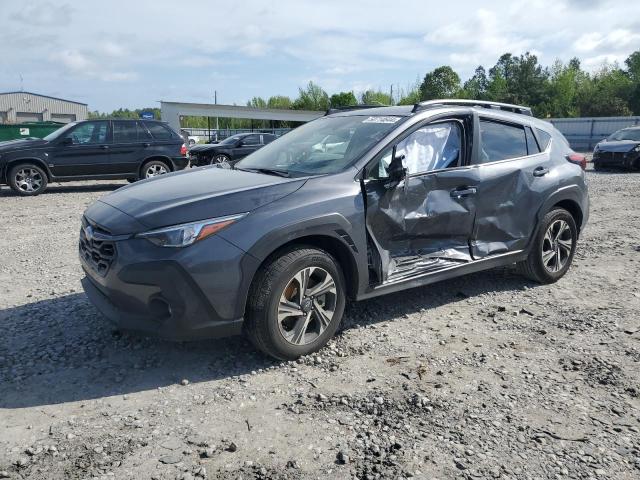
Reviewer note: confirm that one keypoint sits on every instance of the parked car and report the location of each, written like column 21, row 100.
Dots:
column 621, row 149
column 92, row 150
column 189, row 139
column 230, row 150
column 275, row 246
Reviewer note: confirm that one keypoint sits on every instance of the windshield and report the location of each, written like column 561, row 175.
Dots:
column 55, row 134
column 326, row 145
column 632, row 134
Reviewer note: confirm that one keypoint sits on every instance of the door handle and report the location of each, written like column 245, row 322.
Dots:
column 540, row 171
column 146, row 144
column 104, row 147
column 463, row 192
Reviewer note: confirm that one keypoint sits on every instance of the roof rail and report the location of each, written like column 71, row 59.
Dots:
column 351, row 107
column 473, row 103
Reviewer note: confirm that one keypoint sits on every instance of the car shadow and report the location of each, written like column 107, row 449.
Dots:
column 62, row 350
column 66, row 188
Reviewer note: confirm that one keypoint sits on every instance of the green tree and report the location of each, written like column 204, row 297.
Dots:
column 442, row 82
column 343, row 99
column 607, row 94
column 476, row 88
column 313, row 97
column 375, row 97
column 279, row 101
column 633, row 71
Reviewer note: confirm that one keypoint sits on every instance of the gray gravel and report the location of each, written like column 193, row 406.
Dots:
column 487, row 376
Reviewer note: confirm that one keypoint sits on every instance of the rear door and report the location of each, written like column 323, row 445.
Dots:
column 424, row 223
column 514, row 175
column 131, row 141
column 84, row 150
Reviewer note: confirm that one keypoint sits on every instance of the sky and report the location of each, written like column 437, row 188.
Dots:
column 133, row 53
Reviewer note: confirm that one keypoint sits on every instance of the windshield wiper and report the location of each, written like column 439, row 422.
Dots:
column 267, row 171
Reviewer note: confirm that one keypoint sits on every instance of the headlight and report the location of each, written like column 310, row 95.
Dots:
column 637, row 148
column 188, row 233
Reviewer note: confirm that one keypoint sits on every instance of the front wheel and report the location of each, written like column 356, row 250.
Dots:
column 220, row 159
column 27, row 179
column 296, row 303
column 553, row 249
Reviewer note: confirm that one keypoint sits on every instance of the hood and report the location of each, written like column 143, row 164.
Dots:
column 198, row 194
column 22, row 144
column 617, row 146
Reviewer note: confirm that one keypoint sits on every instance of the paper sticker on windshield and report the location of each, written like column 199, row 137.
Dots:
column 378, row 119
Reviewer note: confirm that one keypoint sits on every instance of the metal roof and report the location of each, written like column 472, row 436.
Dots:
column 44, row 96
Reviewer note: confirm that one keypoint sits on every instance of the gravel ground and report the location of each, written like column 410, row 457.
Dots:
column 486, row 376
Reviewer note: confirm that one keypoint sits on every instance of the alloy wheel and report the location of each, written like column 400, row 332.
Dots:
column 28, row 179
column 219, row 159
column 155, row 170
column 307, row 305
column 556, row 246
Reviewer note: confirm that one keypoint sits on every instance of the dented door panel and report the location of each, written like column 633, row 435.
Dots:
column 420, row 225
column 509, row 196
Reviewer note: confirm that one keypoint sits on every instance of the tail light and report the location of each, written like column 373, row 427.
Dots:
column 183, row 150
column 578, row 160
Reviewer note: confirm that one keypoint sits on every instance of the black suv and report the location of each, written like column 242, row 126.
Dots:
column 229, row 150
column 355, row 204
column 92, row 150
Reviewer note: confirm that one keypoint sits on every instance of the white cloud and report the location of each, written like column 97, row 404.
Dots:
column 264, row 48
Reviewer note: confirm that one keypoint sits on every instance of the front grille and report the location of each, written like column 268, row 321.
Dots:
column 98, row 254
column 609, row 156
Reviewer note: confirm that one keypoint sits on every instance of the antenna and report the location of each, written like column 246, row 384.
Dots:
column 21, row 83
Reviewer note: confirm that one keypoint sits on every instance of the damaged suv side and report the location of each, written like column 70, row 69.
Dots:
column 273, row 248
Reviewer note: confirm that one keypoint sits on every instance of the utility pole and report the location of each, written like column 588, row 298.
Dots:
column 215, row 100
column 21, row 83
column 391, row 94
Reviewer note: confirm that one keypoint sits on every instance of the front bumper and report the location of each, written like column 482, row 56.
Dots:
column 179, row 294
column 616, row 159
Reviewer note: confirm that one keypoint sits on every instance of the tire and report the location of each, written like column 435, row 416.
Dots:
column 132, row 180
column 27, row 179
column 553, row 248
column 192, row 142
column 153, row 169
column 219, row 158
column 272, row 323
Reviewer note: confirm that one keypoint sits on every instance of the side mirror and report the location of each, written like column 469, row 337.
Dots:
column 396, row 171
column 239, row 144
column 67, row 141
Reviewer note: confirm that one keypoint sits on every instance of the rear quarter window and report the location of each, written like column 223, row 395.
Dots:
column 159, row 131
column 544, row 138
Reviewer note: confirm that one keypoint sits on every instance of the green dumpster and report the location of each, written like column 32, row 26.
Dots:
column 15, row 131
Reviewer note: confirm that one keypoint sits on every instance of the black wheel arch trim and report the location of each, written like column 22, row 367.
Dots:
column 38, row 161
column 329, row 232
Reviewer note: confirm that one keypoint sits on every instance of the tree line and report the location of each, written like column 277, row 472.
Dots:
column 559, row 90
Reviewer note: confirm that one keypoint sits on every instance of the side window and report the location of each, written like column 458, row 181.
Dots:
column 432, row 147
column 159, row 131
column 268, row 139
column 251, row 140
column 125, row 132
column 143, row 133
column 544, row 137
column 499, row 141
column 532, row 144
column 89, row 133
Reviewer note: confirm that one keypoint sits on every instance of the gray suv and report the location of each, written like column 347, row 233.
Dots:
column 398, row 197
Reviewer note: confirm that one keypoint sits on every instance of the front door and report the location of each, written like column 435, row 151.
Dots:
column 82, row 151
column 424, row 223
column 248, row 145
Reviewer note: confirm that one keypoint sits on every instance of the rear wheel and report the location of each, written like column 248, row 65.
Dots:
column 296, row 303
column 553, row 249
column 154, row 168
column 27, row 179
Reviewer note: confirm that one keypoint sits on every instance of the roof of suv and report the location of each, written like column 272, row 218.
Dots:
column 500, row 110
